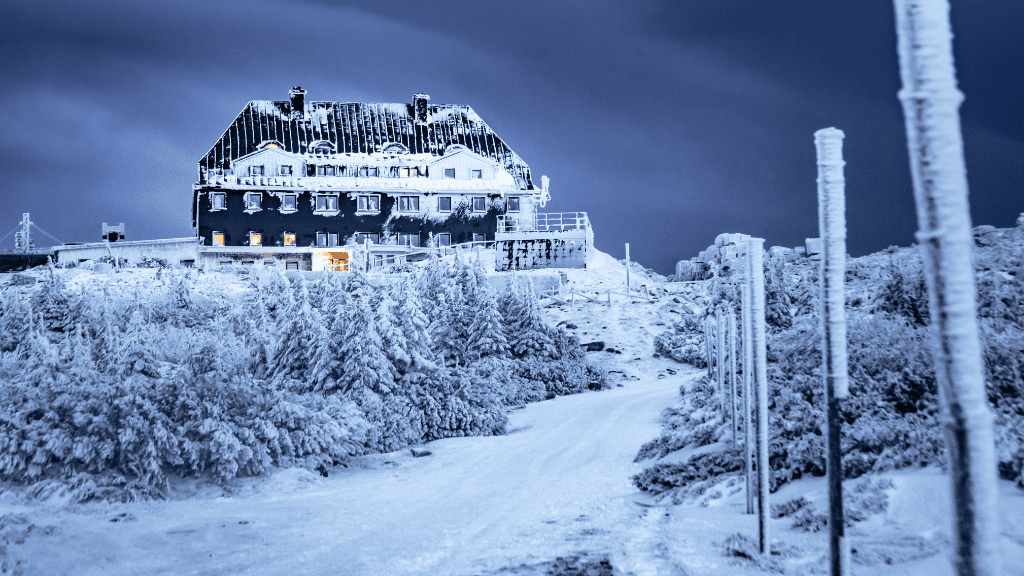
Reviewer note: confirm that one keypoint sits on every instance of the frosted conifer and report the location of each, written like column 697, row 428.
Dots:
column 486, row 333
column 364, row 365
column 416, row 328
column 134, row 353
column 392, row 338
column 52, row 302
column 299, row 329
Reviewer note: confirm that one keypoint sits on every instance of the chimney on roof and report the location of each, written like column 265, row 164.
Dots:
column 419, row 107
column 298, row 98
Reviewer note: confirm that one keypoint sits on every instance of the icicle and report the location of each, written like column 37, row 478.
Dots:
column 930, row 101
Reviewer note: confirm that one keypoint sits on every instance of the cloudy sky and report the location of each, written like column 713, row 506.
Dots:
column 669, row 122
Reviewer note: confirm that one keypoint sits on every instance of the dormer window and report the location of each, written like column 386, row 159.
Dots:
column 289, row 203
column 256, row 170
column 326, row 204
column 449, row 173
column 476, row 174
column 253, row 201
column 479, row 204
column 370, row 203
column 218, row 201
column 285, row 170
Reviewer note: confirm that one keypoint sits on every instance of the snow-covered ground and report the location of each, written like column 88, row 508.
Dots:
column 557, row 485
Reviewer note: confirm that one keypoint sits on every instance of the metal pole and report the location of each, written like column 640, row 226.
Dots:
column 627, row 266
column 732, row 372
column 748, row 362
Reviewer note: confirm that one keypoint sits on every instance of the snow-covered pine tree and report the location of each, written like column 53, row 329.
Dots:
column 40, row 358
column 931, row 102
column 486, row 333
column 364, row 365
column 135, row 350
column 529, row 334
column 14, row 317
column 299, row 328
column 832, row 323
column 416, row 328
column 52, row 302
column 393, row 340
column 448, row 347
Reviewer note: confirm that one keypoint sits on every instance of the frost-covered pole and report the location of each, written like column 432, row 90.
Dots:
column 931, row 102
column 720, row 357
column 748, row 362
column 707, row 343
column 732, row 372
column 832, row 322
column 627, row 266
column 755, row 276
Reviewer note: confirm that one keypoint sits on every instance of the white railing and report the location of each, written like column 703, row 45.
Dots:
column 379, row 261
column 543, row 222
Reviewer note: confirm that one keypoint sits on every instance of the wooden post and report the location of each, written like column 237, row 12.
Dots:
column 627, row 266
column 755, row 275
column 832, row 322
column 748, row 364
column 931, row 102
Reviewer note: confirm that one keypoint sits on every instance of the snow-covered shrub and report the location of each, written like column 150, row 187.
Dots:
column 684, row 342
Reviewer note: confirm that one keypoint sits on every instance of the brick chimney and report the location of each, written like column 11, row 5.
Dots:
column 419, row 106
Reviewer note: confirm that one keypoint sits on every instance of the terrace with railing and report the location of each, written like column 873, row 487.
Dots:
column 543, row 222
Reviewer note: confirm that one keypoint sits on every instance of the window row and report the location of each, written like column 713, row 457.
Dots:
column 362, row 171
column 330, row 239
column 366, row 203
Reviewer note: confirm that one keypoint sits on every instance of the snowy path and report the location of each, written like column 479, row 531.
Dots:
column 557, row 484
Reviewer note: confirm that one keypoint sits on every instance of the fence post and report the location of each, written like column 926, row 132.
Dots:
column 748, row 362
column 755, row 275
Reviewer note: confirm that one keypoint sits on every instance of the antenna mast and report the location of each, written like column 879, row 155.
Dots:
column 23, row 238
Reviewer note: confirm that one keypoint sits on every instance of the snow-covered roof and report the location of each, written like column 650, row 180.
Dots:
column 362, row 128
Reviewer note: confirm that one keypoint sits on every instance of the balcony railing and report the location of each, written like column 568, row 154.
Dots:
column 543, row 222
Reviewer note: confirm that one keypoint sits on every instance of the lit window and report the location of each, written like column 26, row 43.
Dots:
column 449, row 173
column 479, row 204
column 513, row 203
column 326, row 203
column 256, row 170
column 477, row 174
column 408, row 204
column 321, row 239
column 286, row 170
column 218, row 238
column 288, row 203
column 368, row 203
column 332, row 239
column 253, row 201
column 255, row 239
column 403, row 172
column 289, row 239
column 218, row 201
column 291, row 265
column 478, row 238
column 444, row 204
column 444, row 239
column 409, row 240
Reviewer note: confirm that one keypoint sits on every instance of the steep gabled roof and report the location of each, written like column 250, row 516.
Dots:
column 353, row 127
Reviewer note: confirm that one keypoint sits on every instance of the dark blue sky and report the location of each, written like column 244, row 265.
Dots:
column 669, row 122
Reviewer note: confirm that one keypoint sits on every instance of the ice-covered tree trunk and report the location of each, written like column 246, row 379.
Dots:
column 755, row 276
column 832, row 322
column 931, row 100
column 732, row 372
column 748, row 362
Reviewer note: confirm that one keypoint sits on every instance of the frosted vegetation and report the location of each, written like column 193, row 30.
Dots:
column 115, row 383
column 891, row 418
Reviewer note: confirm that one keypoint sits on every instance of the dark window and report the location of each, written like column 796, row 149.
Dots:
column 368, row 204
column 332, row 239
column 479, row 204
column 408, row 204
column 256, row 170
column 253, row 201
column 362, row 237
column 310, row 169
column 218, row 201
column 478, row 238
column 449, row 173
column 378, row 260
column 368, row 171
column 477, row 174
column 286, row 170
column 225, row 262
column 247, row 262
column 321, row 239
column 444, row 239
column 326, row 203
column 409, row 240
column 444, row 203
column 289, row 202
column 292, row 265
column 513, row 204
column 187, row 263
